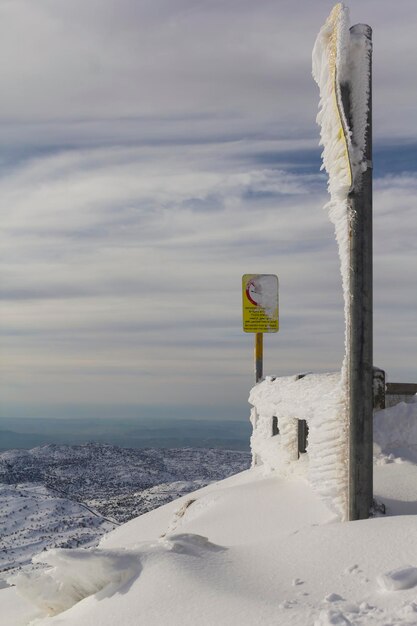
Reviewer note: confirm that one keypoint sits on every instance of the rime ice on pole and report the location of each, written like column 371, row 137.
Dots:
column 341, row 60
column 330, row 70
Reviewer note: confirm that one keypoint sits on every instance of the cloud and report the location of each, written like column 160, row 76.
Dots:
column 247, row 64
column 125, row 265
column 154, row 152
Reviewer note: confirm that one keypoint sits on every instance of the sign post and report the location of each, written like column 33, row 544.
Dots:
column 259, row 357
column 260, row 312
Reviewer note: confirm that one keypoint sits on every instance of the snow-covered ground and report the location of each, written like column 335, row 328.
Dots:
column 256, row 548
column 58, row 496
column 34, row 518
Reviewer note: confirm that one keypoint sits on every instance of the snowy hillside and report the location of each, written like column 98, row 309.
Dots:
column 67, row 496
column 105, row 476
column 34, row 518
column 256, row 548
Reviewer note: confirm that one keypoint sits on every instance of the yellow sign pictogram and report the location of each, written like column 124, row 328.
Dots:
column 260, row 303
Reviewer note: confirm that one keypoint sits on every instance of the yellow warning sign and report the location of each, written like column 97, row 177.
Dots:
column 260, row 303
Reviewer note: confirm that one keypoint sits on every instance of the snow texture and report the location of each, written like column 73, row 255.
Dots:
column 264, row 291
column 401, row 578
column 73, row 575
column 357, row 78
column 251, row 549
column 58, row 496
column 395, row 429
column 329, row 64
column 317, row 399
column 341, row 59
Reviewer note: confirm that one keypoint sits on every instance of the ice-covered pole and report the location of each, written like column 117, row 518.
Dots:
column 342, row 70
column 360, row 339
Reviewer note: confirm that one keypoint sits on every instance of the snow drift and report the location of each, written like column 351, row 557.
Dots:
column 73, row 575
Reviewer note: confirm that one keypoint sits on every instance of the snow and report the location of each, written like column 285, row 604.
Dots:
column 317, row 399
column 359, row 55
column 33, row 518
column 401, row 578
column 263, row 290
column 329, row 66
column 330, row 58
column 341, row 58
column 73, row 575
column 400, row 441
column 251, row 549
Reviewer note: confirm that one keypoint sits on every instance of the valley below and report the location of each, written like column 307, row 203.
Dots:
column 59, row 496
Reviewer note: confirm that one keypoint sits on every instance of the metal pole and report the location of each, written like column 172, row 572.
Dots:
column 302, row 429
column 360, row 355
column 259, row 354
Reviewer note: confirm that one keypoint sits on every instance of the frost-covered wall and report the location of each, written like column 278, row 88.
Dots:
column 316, row 398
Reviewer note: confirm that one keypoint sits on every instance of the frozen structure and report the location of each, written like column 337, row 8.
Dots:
column 317, row 399
column 341, row 64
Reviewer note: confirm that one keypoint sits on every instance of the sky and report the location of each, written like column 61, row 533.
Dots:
column 152, row 152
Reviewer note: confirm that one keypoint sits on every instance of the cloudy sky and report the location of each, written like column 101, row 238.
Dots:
column 152, row 152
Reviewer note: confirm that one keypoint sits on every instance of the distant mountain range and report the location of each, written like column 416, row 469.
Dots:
column 67, row 496
column 26, row 433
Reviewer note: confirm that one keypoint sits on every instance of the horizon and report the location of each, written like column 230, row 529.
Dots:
column 27, row 433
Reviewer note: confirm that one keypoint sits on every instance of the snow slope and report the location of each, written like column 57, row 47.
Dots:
column 58, row 496
column 255, row 548
column 34, row 518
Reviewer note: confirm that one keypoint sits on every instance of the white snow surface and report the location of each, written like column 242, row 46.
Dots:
column 395, row 430
column 252, row 549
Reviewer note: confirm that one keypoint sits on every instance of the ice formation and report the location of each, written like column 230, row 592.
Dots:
column 263, row 292
column 341, row 58
column 329, row 65
column 315, row 398
column 341, row 66
column 73, row 575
